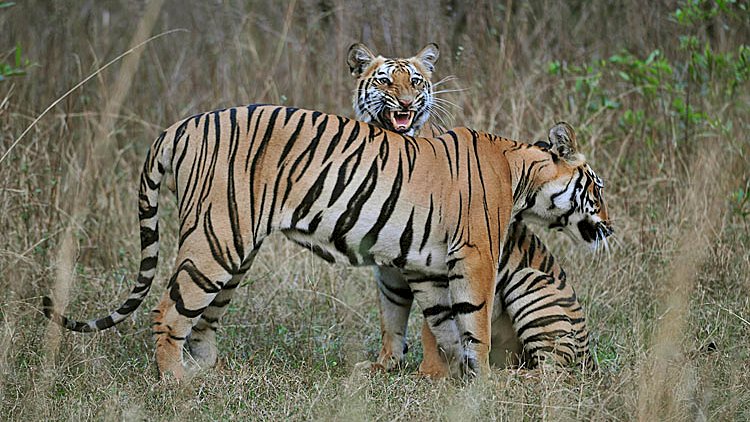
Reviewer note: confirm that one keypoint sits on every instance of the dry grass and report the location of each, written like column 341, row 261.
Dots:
column 669, row 307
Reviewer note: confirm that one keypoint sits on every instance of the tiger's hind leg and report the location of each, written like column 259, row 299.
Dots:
column 394, row 300
column 547, row 318
column 192, row 288
column 201, row 343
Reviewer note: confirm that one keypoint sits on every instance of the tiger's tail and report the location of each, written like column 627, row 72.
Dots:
column 157, row 161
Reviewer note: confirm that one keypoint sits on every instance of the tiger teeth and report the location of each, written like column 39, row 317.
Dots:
column 401, row 120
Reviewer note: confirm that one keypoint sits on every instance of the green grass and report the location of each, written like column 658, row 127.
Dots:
column 668, row 306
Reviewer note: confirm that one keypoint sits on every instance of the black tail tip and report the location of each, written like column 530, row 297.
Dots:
column 47, row 306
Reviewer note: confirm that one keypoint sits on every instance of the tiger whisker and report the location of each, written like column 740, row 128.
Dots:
column 442, row 91
column 440, row 101
column 448, row 78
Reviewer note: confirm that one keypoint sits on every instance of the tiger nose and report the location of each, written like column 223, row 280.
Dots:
column 405, row 102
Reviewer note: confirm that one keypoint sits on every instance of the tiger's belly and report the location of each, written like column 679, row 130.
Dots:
column 428, row 260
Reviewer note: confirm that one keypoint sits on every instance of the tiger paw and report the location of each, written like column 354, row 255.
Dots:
column 369, row 367
column 201, row 353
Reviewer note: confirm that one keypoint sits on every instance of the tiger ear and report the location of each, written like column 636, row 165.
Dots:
column 359, row 58
column 562, row 138
column 428, row 56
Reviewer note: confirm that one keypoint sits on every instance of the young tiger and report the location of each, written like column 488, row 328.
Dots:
column 438, row 209
column 537, row 314
column 395, row 94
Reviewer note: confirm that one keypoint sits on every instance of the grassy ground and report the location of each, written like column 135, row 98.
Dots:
column 662, row 117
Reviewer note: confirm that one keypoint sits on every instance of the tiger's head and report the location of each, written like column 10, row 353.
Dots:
column 570, row 198
column 395, row 94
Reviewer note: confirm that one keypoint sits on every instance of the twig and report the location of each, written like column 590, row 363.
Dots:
column 79, row 84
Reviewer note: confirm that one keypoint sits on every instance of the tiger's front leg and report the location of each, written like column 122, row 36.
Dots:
column 394, row 300
column 433, row 296
column 471, row 275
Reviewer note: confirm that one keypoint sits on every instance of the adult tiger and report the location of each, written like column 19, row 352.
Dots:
column 436, row 208
column 536, row 311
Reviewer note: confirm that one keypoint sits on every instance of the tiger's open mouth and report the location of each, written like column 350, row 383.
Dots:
column 401, row 120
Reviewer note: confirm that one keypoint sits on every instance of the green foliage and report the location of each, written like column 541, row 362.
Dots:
column 741, row 201
column 20, row 64
column 693, row 12
column 17, row 68
column 664, row 93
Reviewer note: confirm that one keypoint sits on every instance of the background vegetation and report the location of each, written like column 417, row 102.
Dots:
column 657, row 89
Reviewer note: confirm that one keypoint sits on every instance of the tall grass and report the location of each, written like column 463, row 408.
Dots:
column 661, row 117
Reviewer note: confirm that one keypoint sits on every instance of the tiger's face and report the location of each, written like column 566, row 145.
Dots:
column 395, row 94
column 571, row 200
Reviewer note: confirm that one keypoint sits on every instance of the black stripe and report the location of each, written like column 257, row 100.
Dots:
column 462, row 308
column 234, row 219
column 428, row 279
column 220, row 253
column 404, row 293
column 427, row 226
column 289, row 113
column 129, row 306
column 371, row 237
column 447, row 155
column 101, row 324
column 146, row 212
column 353, row 136
column 315, row 115
column 435, row 310
column 468, row 337
column 144, row 283
column 349, row 218
column 513, row 287
column 148, row 263
column 451, row 263
column 311, row 196
column 383, row 153
column 533, row 306
column 196, row 276
column 290, row 142
column 346, row 173
column 405, row 242
column 309, row 152
column 411, row 153
column 220, row 303
column 174, row 294
column 260, row 152
column 484, row 193
column 334, row 141
column 453, row 136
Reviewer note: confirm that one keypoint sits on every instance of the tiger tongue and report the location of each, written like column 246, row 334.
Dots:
column 401, row 121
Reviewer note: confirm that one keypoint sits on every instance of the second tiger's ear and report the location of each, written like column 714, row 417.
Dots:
column 562, row 140
column 428, row 56
column 359, row 58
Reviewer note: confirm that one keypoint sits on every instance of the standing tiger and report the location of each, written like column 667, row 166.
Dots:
column 438, row 209
column 533, row 301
